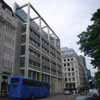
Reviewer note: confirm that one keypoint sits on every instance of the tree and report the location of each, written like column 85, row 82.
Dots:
column 97, row 76
column 89, row 40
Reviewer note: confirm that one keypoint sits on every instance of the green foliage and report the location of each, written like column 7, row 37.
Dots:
column 89, row 40
column 97, row 76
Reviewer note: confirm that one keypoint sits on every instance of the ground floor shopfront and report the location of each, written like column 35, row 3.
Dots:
column 73, row 88
column 56, row 84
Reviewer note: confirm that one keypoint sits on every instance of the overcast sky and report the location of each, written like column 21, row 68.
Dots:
column 67, row 18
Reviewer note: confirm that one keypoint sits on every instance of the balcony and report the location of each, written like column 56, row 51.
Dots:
column 34, row 67
column 34, row 45
column 34, row 37
column 53, row 72
column 46, row 69
column 33, row 57
column 45, row 51
column 45, row 63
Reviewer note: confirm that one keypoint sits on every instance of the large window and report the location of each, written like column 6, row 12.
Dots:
column 14, row 81
column 31, row 82
column 68, row 74
column 68, row 59
column 64, row 59
column 71, row 59
column 22, row 50
column 68, row 69
column 34, row 83
column 72, row 69
column 69, row 79
column 65, row 74
column 36, row 64
column 64, row 64
column 73, row 74
column 73, row 79
column 23, row 38
column 65, row 79
column 68, row 64
column 22, row 60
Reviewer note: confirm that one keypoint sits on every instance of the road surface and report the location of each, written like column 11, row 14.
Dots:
column 60, row 97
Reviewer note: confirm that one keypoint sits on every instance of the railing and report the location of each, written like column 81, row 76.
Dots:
column 34, row 67
column 32, row 44
column 46, row 70
column 34, row 57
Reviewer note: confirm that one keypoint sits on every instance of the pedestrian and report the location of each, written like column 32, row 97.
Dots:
column 4, row 88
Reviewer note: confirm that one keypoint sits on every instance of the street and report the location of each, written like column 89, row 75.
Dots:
column 57, row 97
column 60, row 97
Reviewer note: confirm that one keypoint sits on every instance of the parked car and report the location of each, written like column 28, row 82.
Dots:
column 66, row 92
column 93, row 93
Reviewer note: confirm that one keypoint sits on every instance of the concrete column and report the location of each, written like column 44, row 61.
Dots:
column 40, row 30
column 27, row 42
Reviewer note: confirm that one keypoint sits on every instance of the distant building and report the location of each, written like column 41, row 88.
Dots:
column 73, row 71
column 7, row 41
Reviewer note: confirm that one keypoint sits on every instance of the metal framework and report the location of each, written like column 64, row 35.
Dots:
column 50, row 33
column 38, row 17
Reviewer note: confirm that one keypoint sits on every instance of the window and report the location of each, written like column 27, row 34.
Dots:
column 64, row 59
column 72, row 74
column 68, row 74
column 23, row 38
column 66, row 86
column 22, row 60
column 68, row 59
column 73, row 79
column 29, row 82
column 69, row 79
column 65, row 68
column 14, row 81
column 22, row 50
column 71, row 58
column 65, row 79
column 68, row 64
column 72, row 69
column 65, row 74
column 64, row 64
column 68, row 69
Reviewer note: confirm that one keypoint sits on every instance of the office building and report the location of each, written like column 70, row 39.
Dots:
column 38, row 51
column 7, row 41
column 73, row 71
column 27, row 48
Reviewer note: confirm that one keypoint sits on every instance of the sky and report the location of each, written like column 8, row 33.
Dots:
column 67, row 18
